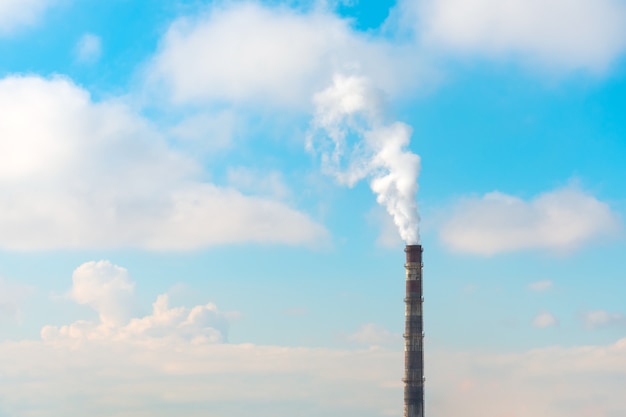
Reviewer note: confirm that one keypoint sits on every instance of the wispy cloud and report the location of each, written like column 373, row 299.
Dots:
column 545, row 319
column 388, row 236
column 89, row 48
column 541, row 286
column 374, row 335
column 206, row 132
column 256, row 182
column 295, row 311
column 602, row 318
column 12, row 295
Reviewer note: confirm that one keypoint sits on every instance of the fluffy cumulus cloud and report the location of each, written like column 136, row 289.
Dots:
column 105, row 287
column 17, row 13
column 198, row 325
column 570, row 34
column 241, row 52
column 82, row 174
column 558, row 220
column 109, row 290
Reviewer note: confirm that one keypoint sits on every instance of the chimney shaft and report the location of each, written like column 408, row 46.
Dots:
column 413, row 335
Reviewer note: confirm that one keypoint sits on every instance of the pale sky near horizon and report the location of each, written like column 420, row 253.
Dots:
column 190, row 221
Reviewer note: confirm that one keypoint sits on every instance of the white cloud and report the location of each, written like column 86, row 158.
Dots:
column 105, row 287
column 198, row 325
column 81, row 174
column 569, row 34
column 558, row 220
column 108, row 289
column 89, row 48
column 17, row 13
column 545, row 319
column 255, row 182
column 206, row 132
column 602, row 318
column 12, row 295
column 541, row 286
column 241, row 52
column 375, row 335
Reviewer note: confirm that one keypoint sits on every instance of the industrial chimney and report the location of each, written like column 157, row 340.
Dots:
column 413, row 335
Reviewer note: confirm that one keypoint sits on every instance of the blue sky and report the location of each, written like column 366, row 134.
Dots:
column 189, row 221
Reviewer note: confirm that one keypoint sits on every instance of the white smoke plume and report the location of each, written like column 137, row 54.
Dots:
column 355, row 143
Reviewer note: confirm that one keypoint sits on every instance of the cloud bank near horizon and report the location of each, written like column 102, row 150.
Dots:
column 175, row 357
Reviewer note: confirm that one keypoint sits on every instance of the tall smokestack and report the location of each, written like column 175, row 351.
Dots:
column 413, row 335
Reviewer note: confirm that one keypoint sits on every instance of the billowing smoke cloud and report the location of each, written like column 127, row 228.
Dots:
column 355, row 143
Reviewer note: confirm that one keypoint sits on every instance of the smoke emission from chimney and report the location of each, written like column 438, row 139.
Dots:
column 354, row 142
